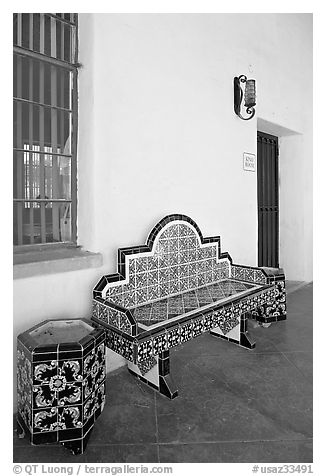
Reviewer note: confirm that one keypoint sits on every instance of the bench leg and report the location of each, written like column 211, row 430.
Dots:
column 238, row 335
column 155, row 372
column 245, row 339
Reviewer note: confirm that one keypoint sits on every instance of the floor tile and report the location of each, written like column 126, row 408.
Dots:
column 125, row 424
column 303, row 361
column 46, row 454
column 93, row 454
column 292, row 286
column 129, row 415
column 244, row 452
column 124, row 388
column 237, row 397
column 123, row 454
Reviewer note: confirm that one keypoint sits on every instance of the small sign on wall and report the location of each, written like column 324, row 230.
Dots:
column 249, row 162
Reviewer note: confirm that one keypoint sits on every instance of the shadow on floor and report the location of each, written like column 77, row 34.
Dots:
column 234, row 405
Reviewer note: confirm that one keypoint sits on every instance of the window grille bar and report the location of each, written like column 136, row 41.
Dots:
column 31, row 30
column 53, row 37
column 74, row 133
column 19, row 29
column 44, row 152
column 31, row 221
column 29, row 101
column 42, row 33
column 20, row 156
column 43, row 58
column 41, row 131
column 61, row 132
column 30, row 156
column 62, row 35
column 62, row 31
column 54, row 135
column 73, row 49
column 62, row 135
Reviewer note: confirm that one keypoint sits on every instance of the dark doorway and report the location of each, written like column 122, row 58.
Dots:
column 267, row 191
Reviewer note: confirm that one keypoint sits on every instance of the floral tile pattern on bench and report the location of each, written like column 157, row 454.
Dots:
column 177, row 305
column 173, row 275
column 176, row 287
column 172, row 334
column 246, row 273
column 179, row 261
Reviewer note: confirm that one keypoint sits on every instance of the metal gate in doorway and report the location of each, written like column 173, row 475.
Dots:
column 268, row 200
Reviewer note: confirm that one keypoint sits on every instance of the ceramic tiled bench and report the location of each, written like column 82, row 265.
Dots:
column 176, row 287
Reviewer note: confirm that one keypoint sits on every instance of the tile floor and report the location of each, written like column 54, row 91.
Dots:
column 234, row 405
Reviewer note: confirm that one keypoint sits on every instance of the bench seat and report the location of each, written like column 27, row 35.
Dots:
column 156, row 314
column 176, row 287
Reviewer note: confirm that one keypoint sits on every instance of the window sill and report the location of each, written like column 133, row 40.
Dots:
column 36, row 263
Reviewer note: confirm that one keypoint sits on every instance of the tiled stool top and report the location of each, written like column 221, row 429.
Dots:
column 59, row 332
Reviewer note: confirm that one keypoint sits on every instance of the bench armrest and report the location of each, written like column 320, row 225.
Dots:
column 273, row 274
column 114, row 315
column 256, row 274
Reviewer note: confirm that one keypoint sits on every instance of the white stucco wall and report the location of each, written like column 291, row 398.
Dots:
column 158, row 135
column 165, row 137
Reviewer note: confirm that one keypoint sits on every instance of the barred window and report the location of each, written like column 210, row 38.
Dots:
column 45, row 128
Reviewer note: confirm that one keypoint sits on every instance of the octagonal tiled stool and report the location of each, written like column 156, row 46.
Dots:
column 60, row 382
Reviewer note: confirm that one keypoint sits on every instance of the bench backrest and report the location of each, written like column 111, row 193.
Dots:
column 176, row 258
